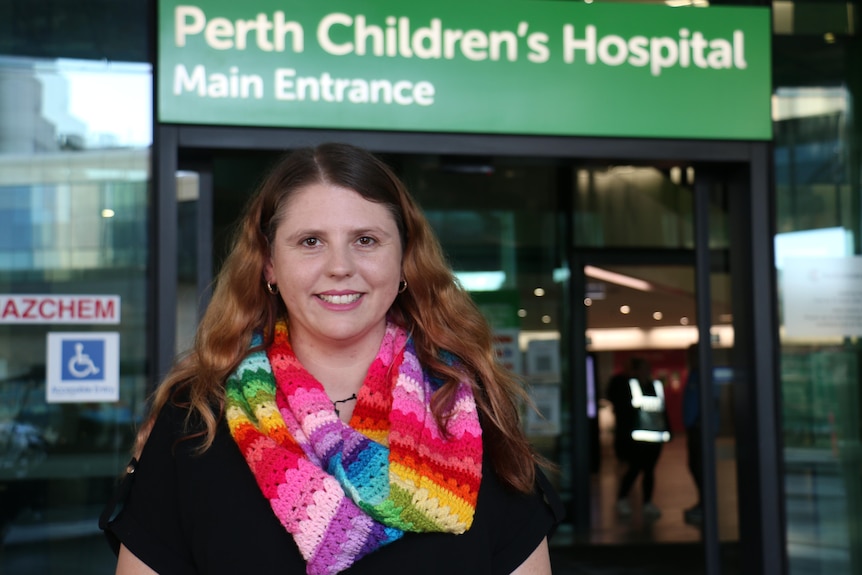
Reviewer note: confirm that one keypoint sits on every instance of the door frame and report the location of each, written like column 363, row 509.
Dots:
column 743, row 166
column 711, row 261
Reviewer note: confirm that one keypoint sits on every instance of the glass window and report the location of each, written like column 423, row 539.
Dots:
column 631, row 206
column 74, row 175
column 819, row 266
column 498, row 223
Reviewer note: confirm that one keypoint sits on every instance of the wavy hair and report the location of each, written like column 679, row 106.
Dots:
column 435, row 310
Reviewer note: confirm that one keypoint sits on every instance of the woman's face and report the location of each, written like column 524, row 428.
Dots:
column 336, row 260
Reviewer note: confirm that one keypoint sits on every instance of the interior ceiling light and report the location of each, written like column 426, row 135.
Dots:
column 657, row 315
column 615, row 278
column 539, row 292
column 625, row 310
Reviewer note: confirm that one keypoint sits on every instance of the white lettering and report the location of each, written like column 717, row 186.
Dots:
column 323, row 34
column 404, row 38
column 219, row 34
column 613, row 50
column 739, row 50
column 217, row 85
column 539, row 53
column 570, row 44
column 324, row 88
column 698, row 45
column 427, row 42
column 183, row 28
column 283, row 28
column 474, row 45
column 260, row 27
column 284, row 84
column 638, row 53
column 423, row 93
column 270, row 34
column 498, row 39
column 183, row 82
column 684, row 50
column 659, row 53
column 363, row 32
column 664, row 53
column 450, row 42
column 721, row 55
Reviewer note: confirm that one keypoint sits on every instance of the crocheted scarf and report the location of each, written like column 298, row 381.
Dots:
column 343, row 490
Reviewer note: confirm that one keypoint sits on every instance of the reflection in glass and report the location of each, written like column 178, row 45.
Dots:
column 820, row 373
column 74, row 174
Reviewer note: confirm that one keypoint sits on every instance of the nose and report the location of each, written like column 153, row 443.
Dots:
column 340, row 262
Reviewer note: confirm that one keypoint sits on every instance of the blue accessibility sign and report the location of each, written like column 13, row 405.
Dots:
column 83, row 360
column 83, row 367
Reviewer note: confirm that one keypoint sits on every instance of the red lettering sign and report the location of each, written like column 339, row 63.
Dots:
column 59, row 309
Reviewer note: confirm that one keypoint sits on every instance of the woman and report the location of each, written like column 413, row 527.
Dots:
column 341, row 410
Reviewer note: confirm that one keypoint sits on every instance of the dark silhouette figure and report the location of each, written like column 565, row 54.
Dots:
column 641, row 430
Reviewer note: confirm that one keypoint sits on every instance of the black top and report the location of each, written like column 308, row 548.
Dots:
column 182, row 513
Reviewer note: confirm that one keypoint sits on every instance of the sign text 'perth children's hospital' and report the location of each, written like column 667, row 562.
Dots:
column 513, row 66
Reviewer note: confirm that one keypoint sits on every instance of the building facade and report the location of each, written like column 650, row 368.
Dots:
column 743, row 229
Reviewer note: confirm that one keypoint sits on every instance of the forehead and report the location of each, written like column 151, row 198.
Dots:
column 326, row 203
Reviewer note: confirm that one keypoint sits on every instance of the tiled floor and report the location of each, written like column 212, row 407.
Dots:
column 635, row 545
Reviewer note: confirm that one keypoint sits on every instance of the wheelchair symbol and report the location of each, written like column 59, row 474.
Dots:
column 81, row 365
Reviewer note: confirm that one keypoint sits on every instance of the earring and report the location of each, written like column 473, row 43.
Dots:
column 402, row 286
column 272, row 288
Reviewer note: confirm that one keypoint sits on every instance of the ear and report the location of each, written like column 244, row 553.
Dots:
column 268, row 271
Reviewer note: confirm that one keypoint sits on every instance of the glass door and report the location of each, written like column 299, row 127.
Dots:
column 641, row 321
column 636, row 248
column 645, row 314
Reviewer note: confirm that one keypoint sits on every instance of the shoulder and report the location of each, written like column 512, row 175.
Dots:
column 518, row 522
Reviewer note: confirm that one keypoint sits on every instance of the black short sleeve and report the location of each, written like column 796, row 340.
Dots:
column 528, row 520
column 149, row 515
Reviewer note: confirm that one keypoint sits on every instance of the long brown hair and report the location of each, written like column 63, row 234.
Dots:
column 435, row 309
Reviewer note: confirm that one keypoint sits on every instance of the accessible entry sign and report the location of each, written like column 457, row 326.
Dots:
column 539, row 67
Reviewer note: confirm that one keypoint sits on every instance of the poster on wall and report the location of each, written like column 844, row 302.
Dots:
column 543, row 360
column 82, row 367
column 555, row 68
column 822, row 296
column 544, row 421
column 506, row 348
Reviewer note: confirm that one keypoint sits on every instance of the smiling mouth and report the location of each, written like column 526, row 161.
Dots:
column 340, row 299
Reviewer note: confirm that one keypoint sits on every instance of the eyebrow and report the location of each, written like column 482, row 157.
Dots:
column 311, row 232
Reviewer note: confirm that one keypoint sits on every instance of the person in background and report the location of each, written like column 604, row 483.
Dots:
column 640, row 443
column 620, row 397
column 341, row 409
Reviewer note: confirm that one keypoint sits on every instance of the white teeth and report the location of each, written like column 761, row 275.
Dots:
column 339, row 299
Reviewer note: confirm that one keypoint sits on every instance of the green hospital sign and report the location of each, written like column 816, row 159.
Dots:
column 471, row 66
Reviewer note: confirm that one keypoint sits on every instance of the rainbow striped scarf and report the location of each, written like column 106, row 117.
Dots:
column 342, row 490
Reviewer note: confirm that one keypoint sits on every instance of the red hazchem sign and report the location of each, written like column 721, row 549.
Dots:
column 60, row 309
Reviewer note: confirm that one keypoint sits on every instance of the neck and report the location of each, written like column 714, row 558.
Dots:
column 340, row 368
